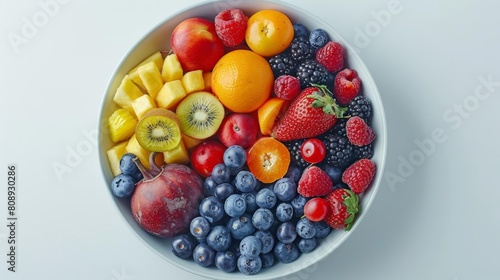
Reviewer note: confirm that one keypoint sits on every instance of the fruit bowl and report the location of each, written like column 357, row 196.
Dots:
column 158, row 39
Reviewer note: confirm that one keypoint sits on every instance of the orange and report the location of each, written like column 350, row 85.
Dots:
column 242, row 80
column 269, row 32
column 268, row 159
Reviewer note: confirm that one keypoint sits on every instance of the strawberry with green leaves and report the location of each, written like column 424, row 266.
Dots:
column 311, row 113
column 344, row 206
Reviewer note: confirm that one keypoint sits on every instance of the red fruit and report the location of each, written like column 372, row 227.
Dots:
column 359, row 175
column 286, row 87
column 313, row 150
column 358, row 132
column 343, row 207
column 230, row 26
column 314, row 182
column 206, row 155
column 316, row 209
column 347, row 85
column 331, row 56
column 238, row 129
column 310, row 114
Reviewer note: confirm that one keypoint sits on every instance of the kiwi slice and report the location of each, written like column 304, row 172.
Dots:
column 158, row 131
column 200, row 114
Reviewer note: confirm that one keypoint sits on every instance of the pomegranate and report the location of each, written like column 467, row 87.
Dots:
column 167, row 198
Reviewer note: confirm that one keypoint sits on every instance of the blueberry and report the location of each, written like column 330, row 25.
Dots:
column 305, row 228
column 294, row 172
column 235, row 249
column 298, row 205
column 241, row 227
column 249, row 265
column 199, row 227
column 250, row 246
column 322, row 229
column 286, row 232
column 267, row 239
column 183, row 246
column 235, row 156
column 235, row 205
column 334, row 172
column 300, row 31
column 318, row 38
column 262, row 219
column 128, row 167
column 225, row 261
column 221, row 173
column 284, row 212
column 266, row 198
column 286, row 252
column 306, row 245
column 245, row 181
column 250, row 201
column 203, row 255
column 209, row 186
column 267, row 259
column 285, row 189
column 211, row 208
column 219, row 238
column 224, row 190
column 123, row 185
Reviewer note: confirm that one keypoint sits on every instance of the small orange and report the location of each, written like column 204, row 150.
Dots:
column 242, row 80
column 268, row 159
column 269, row 32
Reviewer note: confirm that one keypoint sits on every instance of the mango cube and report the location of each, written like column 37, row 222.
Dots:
column 121, row 125
column 115, row 154
column 126, row 93
column 151, row 78
column 193, row 81
column 172, row 69
column 143, row 104
column 170, row 94
column 178, row 154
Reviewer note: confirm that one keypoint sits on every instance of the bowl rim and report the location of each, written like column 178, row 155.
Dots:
column 381, row 137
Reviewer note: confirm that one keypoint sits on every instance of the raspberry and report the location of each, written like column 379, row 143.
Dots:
column 230, row 26
column 359, row 175
column 358, row 132
column 314, row 182
column 331, row 56
column 286, row 87
column 347, row 85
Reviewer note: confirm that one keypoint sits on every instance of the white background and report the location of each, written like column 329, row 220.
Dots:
column 435, row 217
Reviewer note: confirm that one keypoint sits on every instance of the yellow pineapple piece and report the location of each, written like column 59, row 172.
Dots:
column 151, row 78
column 190, row 142
column 135, row 148
column 178, row 154
column 193, row 81
column 126, row 93
column 156, row 57
column 114, row 156
column 170, row 94
column 207, row 77
column 121, row 125
column 143, row 104
column 172, row 69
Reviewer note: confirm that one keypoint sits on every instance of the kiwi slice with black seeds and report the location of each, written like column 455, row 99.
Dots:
column 158, row 131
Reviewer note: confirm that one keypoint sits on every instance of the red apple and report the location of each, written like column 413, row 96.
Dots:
column 196, row 44
column 238, row 129
column 206, row 155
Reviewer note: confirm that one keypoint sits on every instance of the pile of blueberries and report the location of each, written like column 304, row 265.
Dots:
column 247, row 225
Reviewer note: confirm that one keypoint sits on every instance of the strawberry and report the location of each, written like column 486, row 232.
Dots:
column 358, row 132
column 311, row 113
column 331, row 56
column 344, row 205
column 359, row 175
column 347, row 85
column 314, row 182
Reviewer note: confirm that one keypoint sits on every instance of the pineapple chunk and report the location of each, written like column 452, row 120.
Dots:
column 114, row 156
column 156, row 57
column 143, row 104
column 193, row 81
column 172, row 69
column 190, row 142
column 121, row 125
column 151, row 78
column 207, row 77
column 178, row 154
column 126, row 93
column 170, row 94
column 135, row 148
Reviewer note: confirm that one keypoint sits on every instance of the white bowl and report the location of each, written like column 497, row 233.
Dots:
column 158, row 39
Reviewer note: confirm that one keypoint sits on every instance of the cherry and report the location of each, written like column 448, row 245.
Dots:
column 313, row 150
column 316, row 209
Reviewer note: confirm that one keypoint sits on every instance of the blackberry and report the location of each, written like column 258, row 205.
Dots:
column 339, row 151
column 360, row 106
column 339, row 127
column 295, row 156
column 311, row 72
column 300, row 50
column 283, row 64
column 363, row 151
